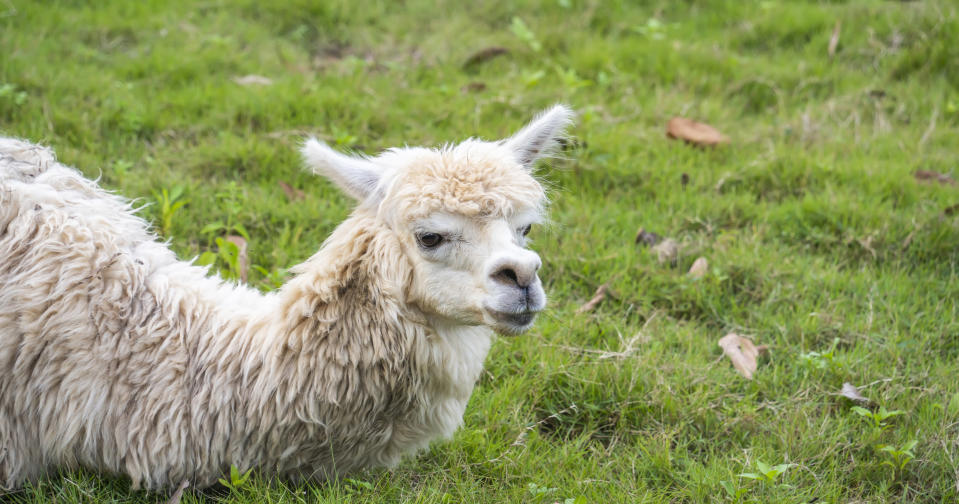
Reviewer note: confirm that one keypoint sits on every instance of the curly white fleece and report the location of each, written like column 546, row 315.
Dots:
column 118, row 357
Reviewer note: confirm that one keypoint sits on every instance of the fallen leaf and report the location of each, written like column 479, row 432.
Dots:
column 932, row 176
column 834, row 39
column 243, row 260
column 699, row 268
column 253, row 80
column 484, row 55
column 849, row 391
column 329, row 55
column 292, row 193
column 178, row 494
column 693, row 132
column 597, row 298
column 647, row 238
column 908, row 241
column 667, row 250
column 474, row 87
column 742, row 352
column 866, row 244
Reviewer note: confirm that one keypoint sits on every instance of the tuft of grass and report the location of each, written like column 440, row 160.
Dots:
column 820, row 241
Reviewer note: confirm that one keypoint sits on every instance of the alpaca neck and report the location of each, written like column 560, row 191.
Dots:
column 345, row 312
column 359, row 267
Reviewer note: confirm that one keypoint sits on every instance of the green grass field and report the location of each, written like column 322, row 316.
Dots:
column 820, row 240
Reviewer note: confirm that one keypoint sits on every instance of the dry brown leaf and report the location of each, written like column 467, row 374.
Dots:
column 243, row 259
column 849, row 391
column 742, row 352
column 693, row 132
column 292, row 193
column 597, row 298
column 484, row 55
column 932, row 176
column 253, row 80
column 474, row 87
column 834, row 39
column 699, row 268
column 647, row 238
column 178, row 494
column 666, row 250
column 909, row 237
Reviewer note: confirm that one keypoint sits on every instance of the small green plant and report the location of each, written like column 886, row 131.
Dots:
column 237, row 480
column 343, row 137
column 226, row 259
column 272, row 279
column 654, row 29
column 358, row 486
column 877, row 419
column 169, row 201
column 539, row 492
column 9, row 92
column 766, row 474
column 953, row 407
column 532, row 79
column 899, row 456
column 571, row 80
column 827, row 360
column 233, row 200
column 121, row 167
column 735, row 493
column 218, row 228
column 230, row 253
column 519, row 28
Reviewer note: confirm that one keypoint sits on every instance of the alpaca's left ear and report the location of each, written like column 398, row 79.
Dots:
column 541, row 135
column 356, row 176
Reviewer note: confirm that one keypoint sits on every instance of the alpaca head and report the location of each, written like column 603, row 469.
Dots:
column 460, row 216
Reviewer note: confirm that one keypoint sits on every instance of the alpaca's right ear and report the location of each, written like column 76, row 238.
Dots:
column 354, row 175
column 540, row 137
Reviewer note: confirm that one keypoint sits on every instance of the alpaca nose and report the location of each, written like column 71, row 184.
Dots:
column 518, row 273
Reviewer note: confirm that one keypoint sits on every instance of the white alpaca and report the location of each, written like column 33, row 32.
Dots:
column 117, row 357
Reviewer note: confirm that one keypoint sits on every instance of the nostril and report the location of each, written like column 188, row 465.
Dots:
column 507, row 276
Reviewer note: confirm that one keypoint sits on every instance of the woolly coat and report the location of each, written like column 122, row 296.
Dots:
column 118, row 357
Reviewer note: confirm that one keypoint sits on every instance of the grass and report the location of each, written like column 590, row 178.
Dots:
column 820, row 241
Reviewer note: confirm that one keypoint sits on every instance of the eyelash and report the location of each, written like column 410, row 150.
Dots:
column 425, row 240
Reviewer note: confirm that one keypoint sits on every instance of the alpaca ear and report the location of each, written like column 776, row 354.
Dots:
column 356, row 176
column 540, row 137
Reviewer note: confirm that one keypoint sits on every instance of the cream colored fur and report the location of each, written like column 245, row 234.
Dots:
column 116, row 356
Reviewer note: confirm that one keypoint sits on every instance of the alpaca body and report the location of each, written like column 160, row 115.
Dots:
column 115, row 356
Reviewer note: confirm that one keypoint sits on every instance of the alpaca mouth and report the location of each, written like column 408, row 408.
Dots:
column 513, row 323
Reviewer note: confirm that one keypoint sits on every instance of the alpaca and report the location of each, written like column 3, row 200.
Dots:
column 117, row 357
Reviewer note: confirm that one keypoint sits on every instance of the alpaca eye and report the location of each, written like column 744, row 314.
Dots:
column 526, row 229
column 429, row 240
